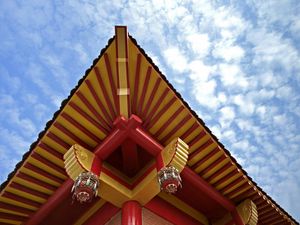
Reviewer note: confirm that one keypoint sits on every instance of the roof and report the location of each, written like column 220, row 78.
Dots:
column 86, row 117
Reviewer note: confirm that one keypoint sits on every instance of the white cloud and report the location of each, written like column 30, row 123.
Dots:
column 270, row 12
column 222, row 97
column 199, row 71
column 229, row 135
column 269, row 79
column 285, row 92
column 11, row 114
column 14, row 142
column 280, row 120
column 242, row 145
column 232, row 75
column 204, row 92
column 228, row 52
column 227, row 116
column 227, row 113
column 272, row 50
column 199, row 44
column 226, row 19
column 175, row 59
column 217, row 130
column 246, row 106
column 295, row 27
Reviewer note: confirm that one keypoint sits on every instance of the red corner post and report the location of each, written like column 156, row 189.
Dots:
column 131, row 213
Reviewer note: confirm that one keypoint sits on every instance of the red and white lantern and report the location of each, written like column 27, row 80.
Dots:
column 85, row 187
column 169, row 179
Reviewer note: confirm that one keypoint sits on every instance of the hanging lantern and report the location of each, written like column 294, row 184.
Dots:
column 169, row 179
column 85, row 187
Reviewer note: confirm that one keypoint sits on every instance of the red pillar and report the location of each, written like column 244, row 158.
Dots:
column 131, row 213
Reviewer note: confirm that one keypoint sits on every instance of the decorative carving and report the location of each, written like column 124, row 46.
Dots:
column 176, row 154
column 85, row 187
column 169, row 179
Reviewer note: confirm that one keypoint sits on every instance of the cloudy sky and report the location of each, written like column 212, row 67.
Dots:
column 237, row 63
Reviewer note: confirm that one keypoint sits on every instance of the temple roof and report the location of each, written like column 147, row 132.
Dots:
column 86, row 117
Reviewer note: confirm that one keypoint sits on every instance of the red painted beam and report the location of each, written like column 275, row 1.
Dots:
column 159, row 162
column 71, row 135
column 231, row 222
column 205, row 158
column 246, row 186
column 45, row 161
column 54, row 200
column 213, row 193
column 21, row 199
column 237, row 218
column 110, row 143
column 141, row 137
column 87, row 116
column 245, row 194
column 176, row 128
column 12, row 217
column 189, row 131
column 201, row 148
column 169, row 121
column 160, row 113
column 265, row 217
column 136, row 83
column 170, row 212
column 155, row 107
column 28, row 190
column 50, row 150
column 35, row 181
column 271, row 220
column 58, row 140
column 96, row 166
column 86, row 102
column 80, row 127
column 202, row 185
column 111, row 81
column 99, row 103
column 150, row 100
column 104, row 91
column 103, row 215
column 219, row 171
column 130, row 157
column 213, row 165
column 15, row 208
column 144, row 89
column 132, row 213
column 197, row 138
column 232, row 184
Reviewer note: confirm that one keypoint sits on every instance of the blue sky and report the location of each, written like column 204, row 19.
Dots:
column 237, row 63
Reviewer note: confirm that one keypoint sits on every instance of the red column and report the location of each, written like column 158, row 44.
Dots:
column 131, row 213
